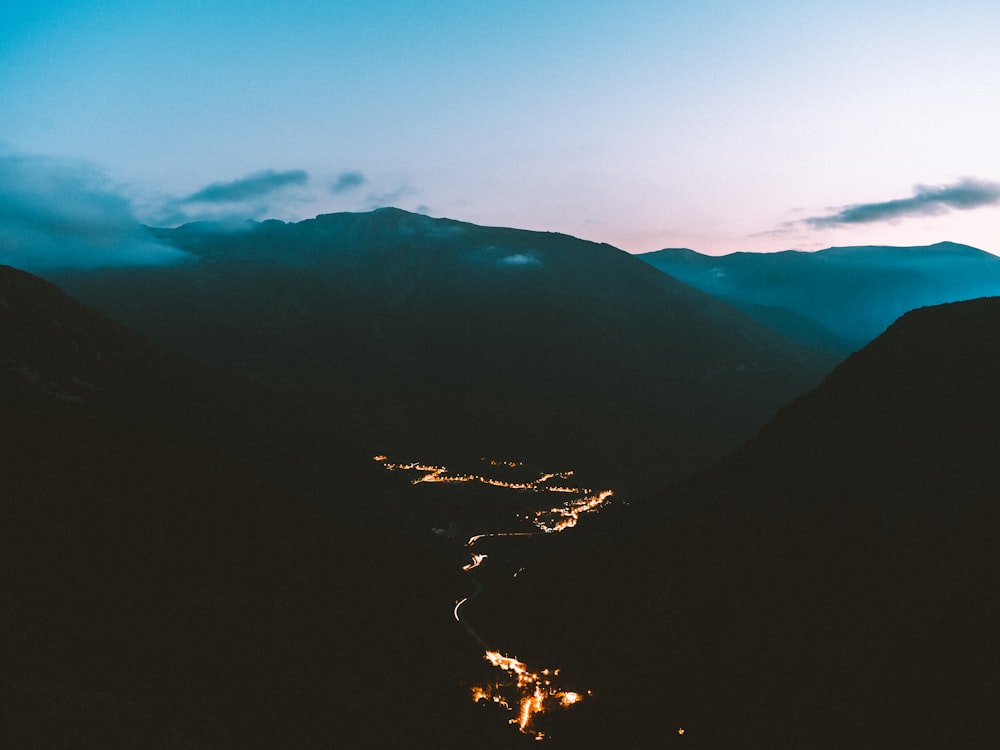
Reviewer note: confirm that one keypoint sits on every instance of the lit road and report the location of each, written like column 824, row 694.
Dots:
column 532, row 692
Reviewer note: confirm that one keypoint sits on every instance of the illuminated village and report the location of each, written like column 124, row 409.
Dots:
column 519, row 689
column 549, row 520
column 535, row 692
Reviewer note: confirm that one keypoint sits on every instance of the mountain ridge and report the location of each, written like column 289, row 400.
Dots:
column 852, row 292
column 458, row 338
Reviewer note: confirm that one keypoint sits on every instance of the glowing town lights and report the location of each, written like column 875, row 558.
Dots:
column 551, row 520
column 535, row 693
column 486, row 693
column 505, row 663
column 508, row 464
column 566, row 516
column 531, row 692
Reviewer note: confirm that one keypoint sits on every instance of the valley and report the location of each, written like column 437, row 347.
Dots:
column 526, row 692
column 797, row 553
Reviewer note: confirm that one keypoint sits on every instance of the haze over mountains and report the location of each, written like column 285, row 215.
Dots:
column 840, row 298
column 446, row 338
column 199, row 551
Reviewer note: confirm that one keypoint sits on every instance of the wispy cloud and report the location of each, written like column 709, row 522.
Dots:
column 927, row 200
column 348, row 181
column 390, row 197
column 66, row 213
column 251, row 187
column 265, row 194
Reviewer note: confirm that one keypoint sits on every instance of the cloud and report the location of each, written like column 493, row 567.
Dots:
column 264, row 194
column 389, row 198
column 519, row 259
column 348, row 181
column 500, row 256
column 253, row 186
column 927, row 200
column 65, row 213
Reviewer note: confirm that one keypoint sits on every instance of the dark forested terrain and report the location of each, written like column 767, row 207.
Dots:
column 832, row 584
column 169, row 577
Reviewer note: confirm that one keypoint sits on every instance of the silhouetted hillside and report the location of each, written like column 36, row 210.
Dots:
column 168, row 579
column 436, row 338
column 840, row 298
column 175, row 577
column 831, row 585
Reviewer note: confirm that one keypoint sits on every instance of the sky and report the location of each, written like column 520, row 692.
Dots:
column 719, row 126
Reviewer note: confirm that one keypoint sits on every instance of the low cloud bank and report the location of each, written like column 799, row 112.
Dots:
column 59, row 213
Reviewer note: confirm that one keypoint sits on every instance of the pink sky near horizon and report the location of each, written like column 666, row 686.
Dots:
column 719, row 126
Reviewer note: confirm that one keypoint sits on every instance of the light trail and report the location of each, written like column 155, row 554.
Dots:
column 477, row 560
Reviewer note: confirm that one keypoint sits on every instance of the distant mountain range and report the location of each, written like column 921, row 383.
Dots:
column 840, row 298
column 437, row 337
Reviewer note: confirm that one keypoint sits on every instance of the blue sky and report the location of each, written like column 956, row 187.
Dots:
column 719, row 126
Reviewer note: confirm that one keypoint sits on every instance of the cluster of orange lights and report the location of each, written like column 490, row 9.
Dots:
column 550, row 520
column 534, row 691
column 566, row 515
column 520, row 689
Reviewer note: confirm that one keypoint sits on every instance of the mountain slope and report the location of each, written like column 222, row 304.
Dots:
column 850, row 293
column 832, row 584
column 168, row 578
column 440, row 338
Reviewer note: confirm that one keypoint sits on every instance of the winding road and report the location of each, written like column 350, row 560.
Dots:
column 534, row 690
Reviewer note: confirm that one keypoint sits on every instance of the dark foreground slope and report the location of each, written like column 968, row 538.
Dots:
column 437, row 338
column 831, row 585
column 842, row 297
column 167, row 580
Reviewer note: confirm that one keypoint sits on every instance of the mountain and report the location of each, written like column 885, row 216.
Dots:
column 196, row 558
column 840, row 298
column 435, row 338
column 174, row 574
column 831, row 584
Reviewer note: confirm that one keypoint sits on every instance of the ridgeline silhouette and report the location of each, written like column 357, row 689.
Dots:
column 437, row 337
column 841, row 298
